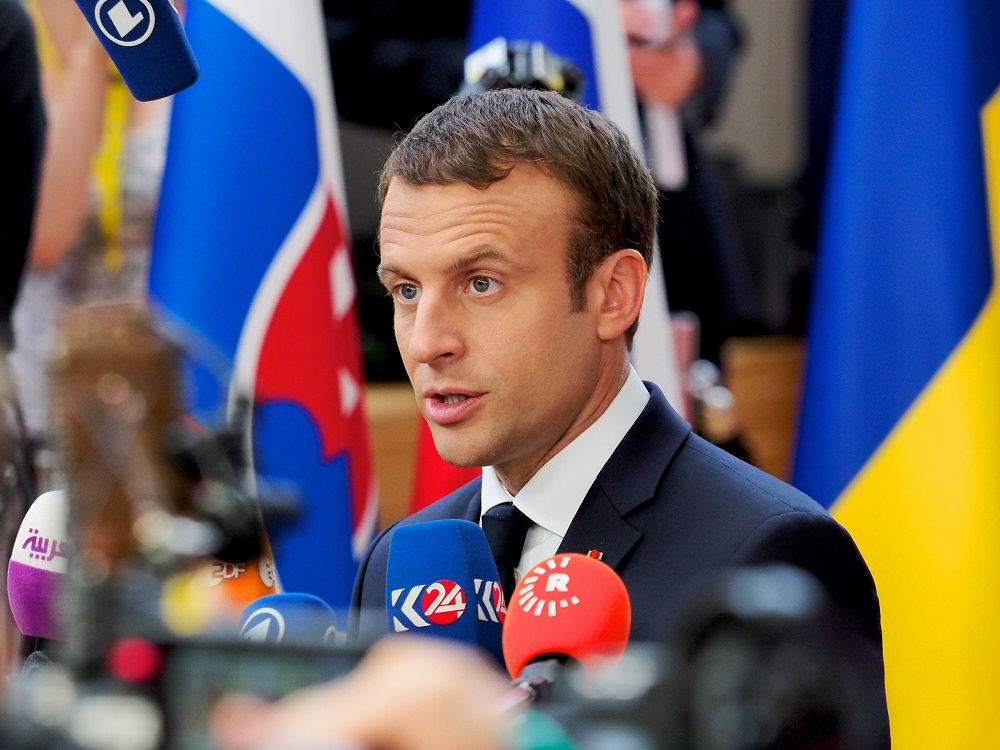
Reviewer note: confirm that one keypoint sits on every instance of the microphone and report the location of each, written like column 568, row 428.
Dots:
column 216, row 592
column 569, row 606
column 300, row 619
column 38, row 565
column 146, row 42
column 441, row 580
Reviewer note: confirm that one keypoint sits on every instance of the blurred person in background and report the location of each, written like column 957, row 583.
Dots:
column 22, row 135
column 100, row 183
column 705, row 262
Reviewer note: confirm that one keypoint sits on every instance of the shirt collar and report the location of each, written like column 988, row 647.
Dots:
column 553, row 495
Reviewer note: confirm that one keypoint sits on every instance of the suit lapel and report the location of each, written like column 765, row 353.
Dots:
column 599, row 526
column 628, row 481
column 464, row 503
column 474, row 508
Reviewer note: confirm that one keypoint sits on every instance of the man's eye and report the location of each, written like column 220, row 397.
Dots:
column 483, row 284
column 408, row 292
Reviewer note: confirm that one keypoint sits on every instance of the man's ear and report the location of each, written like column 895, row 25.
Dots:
column 618, row 288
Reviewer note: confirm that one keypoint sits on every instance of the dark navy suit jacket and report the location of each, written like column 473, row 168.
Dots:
column 667, row 507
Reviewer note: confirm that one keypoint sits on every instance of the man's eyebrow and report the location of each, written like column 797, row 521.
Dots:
column 384, row 269
column 480, row 255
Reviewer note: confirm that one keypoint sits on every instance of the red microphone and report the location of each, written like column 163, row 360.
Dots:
column 566, row 607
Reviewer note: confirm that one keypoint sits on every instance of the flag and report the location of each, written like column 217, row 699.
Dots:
column 433, row 477
column 251, row 263
column 899, row 421
column 589, row 33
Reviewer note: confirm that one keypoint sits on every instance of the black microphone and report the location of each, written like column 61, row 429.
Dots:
column 146, row 42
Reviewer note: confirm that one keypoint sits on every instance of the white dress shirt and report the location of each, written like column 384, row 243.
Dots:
column 554, row 494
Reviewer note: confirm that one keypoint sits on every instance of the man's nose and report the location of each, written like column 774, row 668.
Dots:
column 436, row 331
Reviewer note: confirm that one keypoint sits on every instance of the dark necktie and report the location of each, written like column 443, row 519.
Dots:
column 505, row 528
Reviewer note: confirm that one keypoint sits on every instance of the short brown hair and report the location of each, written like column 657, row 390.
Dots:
column 478, row 138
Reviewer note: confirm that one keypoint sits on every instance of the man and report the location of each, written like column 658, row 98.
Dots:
column 516, row 237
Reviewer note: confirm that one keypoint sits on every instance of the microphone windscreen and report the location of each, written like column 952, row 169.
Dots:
column 146, row 42
column 569, row 605
column 299, row 619
column 38, row 565
column 216, row 592
column 441, row 580
column 239, row 584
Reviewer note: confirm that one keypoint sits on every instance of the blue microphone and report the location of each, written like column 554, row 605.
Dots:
column 441, row 580
column 146, row 42
column 297, row 619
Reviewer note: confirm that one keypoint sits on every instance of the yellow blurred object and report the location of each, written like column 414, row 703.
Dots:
column 186, row 606
column 107, row 171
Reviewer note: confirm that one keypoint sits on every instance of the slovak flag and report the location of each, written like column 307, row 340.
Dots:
column 252, row 266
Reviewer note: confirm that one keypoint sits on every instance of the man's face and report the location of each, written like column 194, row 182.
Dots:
column 502, row 368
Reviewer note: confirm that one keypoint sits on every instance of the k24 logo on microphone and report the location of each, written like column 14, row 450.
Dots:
column 492, row 606
column 546, row 588
column 443, row 603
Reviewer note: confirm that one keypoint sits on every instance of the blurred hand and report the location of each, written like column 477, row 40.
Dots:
column 666, row 65
column 407, row 694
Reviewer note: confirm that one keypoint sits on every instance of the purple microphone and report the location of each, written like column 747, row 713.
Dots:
column 38, row 565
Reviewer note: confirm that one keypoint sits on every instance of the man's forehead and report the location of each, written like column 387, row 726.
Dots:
column 520, row 173
column 401, row 191
column 454, row 225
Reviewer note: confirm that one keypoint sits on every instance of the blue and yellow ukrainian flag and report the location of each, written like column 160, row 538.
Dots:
column 900, row 425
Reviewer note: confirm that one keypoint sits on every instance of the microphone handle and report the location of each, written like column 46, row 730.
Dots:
column 534, row 683
column 520, row 696
column 146, row 41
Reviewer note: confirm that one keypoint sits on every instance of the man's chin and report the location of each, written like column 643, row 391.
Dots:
column 459, row 453
column 462, row 459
